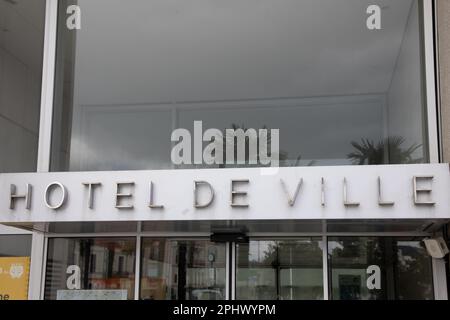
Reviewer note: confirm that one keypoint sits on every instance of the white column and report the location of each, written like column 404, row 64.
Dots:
column 439, row 279
column 48, row 78
column 36, row 267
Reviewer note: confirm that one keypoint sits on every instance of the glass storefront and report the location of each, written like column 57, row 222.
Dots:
column 21, row 54
column 338, row 92
column 383, row 268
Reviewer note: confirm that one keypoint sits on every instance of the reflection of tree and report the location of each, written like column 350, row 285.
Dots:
column 358, row 252
column 292, row 253
column 354, row 254
column 405, row 267
column 291, row 261
column 388, row 150
column 414, row 270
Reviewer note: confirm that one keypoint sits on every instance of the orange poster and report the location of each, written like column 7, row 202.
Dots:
column 14, row 273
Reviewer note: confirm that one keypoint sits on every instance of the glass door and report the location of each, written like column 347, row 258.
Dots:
column 280, row 270
column 182, row 270
column 90, row 268
column 379, row 268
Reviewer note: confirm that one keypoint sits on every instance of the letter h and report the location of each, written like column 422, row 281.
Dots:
column 14, row 197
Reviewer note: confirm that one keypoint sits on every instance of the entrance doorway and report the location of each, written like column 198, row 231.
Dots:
column 182, row 270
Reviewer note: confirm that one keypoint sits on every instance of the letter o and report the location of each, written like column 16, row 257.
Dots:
column 51, row 187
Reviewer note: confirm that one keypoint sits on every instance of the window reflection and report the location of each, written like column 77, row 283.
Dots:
column 182, row 270
column 379, row 269
column 284, row 270
column 21, row 247
column 414, row 271
column 360, row 268
column 21, row 54
column 349, row 96
column 90, row 269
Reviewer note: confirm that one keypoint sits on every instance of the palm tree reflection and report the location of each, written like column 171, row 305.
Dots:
column 387, row 151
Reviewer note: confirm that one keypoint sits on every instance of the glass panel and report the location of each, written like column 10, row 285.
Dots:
column 315, row 72
column 379, row 269
column 414, row 271
column 285, row 270
column 90, row 269
column 256, row 277
column 91, row 227
column 21, row 47
column 21, row 247
column 182, row 270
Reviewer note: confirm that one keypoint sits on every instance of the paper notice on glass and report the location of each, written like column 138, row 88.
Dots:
column 14, row 272
column 92, row 295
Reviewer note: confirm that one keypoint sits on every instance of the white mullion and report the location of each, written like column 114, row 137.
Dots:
column 233, row 271
column 47, row 89
column 430, row 78
column 325, row 266
column 227, row 271
column 137, row 276
column 44, row 268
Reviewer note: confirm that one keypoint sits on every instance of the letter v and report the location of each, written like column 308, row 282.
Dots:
column 291, row 201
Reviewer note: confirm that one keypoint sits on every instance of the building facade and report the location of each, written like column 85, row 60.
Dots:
column 165, row 150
